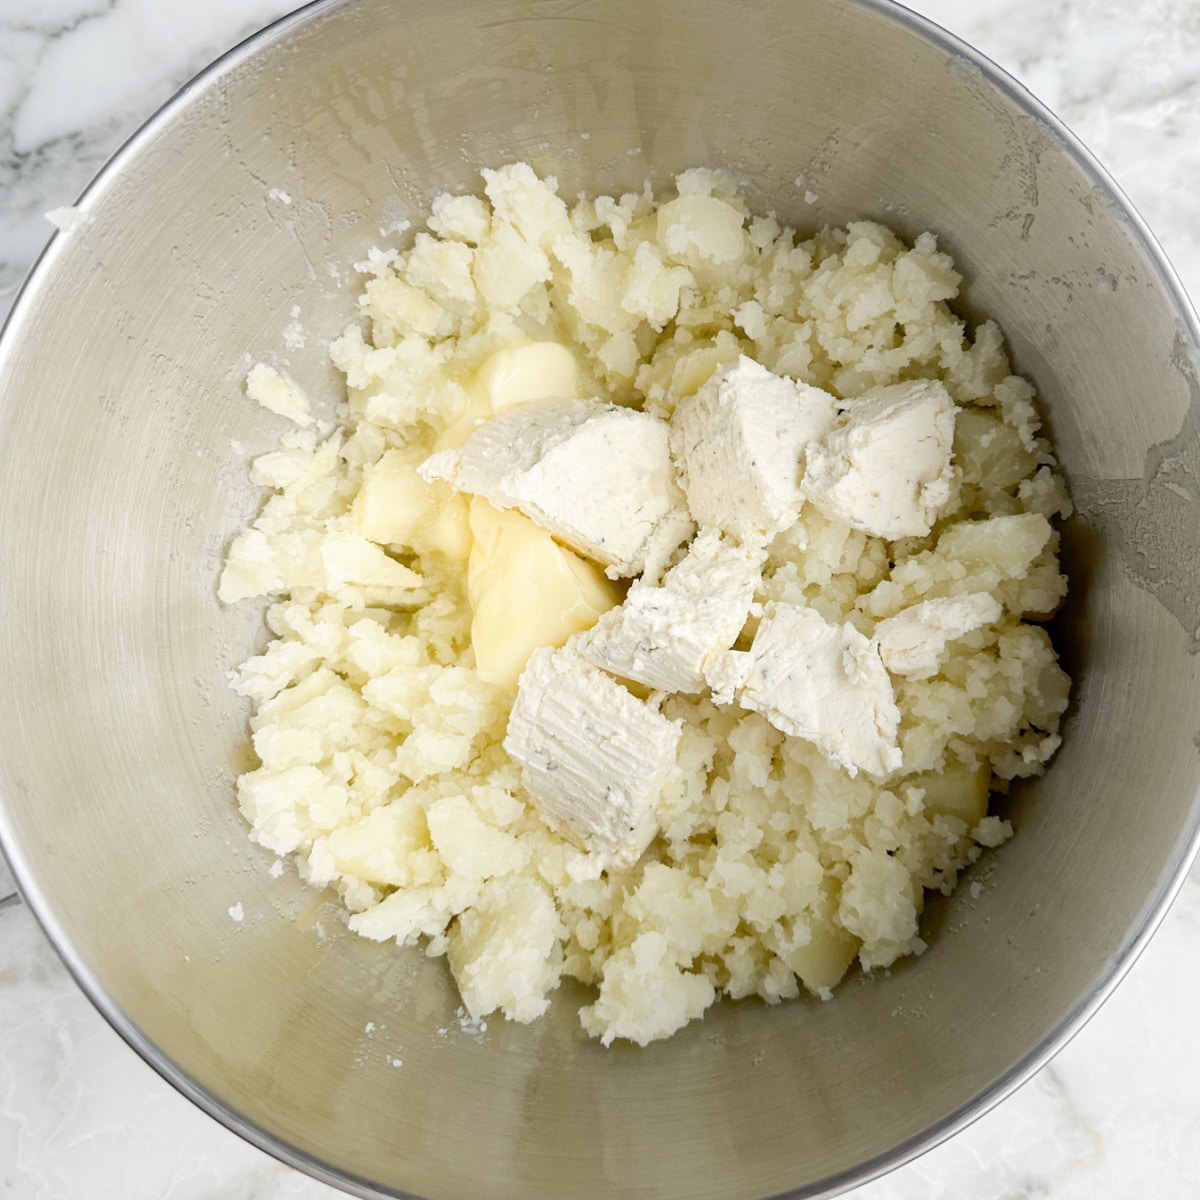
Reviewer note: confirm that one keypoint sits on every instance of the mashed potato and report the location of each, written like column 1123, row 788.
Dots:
column 382, row 767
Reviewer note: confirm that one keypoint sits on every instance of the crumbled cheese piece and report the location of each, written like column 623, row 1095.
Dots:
column 725, row 673
column 282, row 396
column 663, row 636
column 594, row 758
column 913, row 642
column 885, row 465
column 597, row 476
column 825, row 683
column 739, row 445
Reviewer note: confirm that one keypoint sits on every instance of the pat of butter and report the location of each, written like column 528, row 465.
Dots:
column 395, row 506
column 526, row 591
column 537, row 371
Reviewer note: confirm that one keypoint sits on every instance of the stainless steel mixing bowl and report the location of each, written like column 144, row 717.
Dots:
column 125, row 437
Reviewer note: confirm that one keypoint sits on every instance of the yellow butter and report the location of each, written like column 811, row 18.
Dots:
column 516, row 375
column 395, row 506
column 526, row 591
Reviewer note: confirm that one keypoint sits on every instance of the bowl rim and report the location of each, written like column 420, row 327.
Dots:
column 1172, row 876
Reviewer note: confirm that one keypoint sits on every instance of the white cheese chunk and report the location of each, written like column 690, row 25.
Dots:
column 663, row 635
column 824, row 683
column 597, row 476
column 885, row 466
column 739, row 446
column 913, row 642
column 594, row 758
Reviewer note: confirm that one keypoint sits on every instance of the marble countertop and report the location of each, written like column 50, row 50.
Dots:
column 1116, row 1114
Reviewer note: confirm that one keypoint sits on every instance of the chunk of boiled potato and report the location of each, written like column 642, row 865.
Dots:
column 693, row 370
column 395, row 506
column 822, row 961
column 680, row 369
column 389, row 845
column 503, row 949
column 697, row 228
column 957, row 791
column 1008, row 545
column 526, row 591
column 469, row 846
column 988, row 451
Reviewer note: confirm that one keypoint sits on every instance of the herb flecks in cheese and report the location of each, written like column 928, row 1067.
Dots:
column 594, row 758
column 597, row 476
column 885, row 466
column 739, row 445
column 664, row 635
column 822, row 682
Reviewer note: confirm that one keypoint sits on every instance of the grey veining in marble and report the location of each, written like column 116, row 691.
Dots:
column 76, row 78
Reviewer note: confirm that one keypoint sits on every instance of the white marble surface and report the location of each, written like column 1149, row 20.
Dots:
column 1117, row 1114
